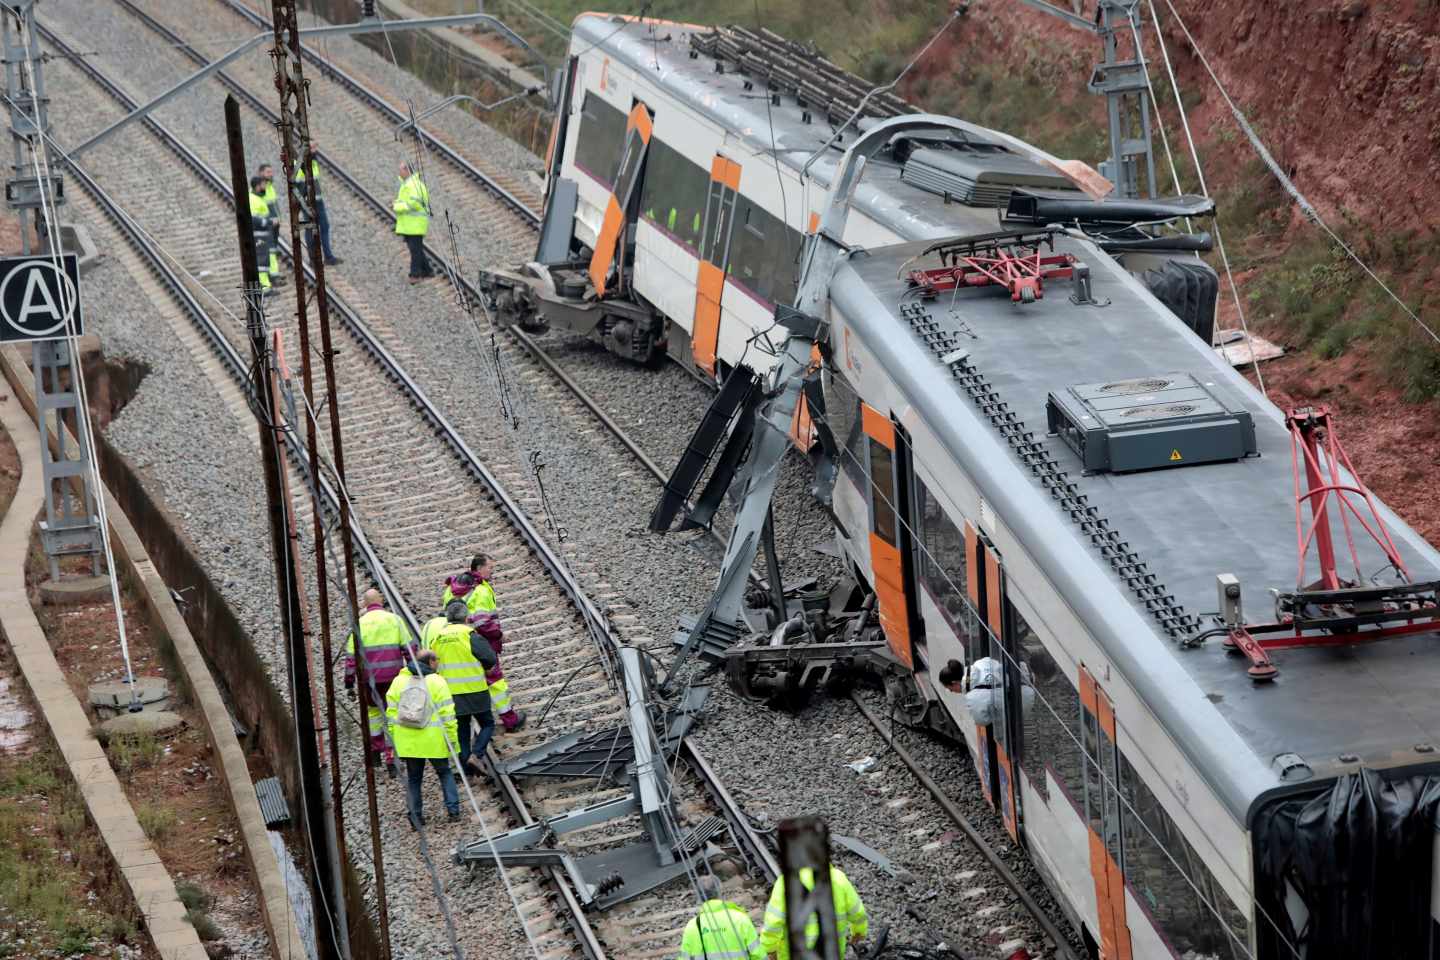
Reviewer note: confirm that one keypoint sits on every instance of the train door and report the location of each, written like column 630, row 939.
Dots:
column 619, row 209
column 714, row 260
column 563, row 89
column 1102, row 811
column 891, row 563
column 985, row 584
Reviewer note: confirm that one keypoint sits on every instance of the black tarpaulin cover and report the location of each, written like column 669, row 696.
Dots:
column 1359, row 853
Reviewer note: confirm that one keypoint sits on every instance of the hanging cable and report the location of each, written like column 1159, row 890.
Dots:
column 84, row 423
column 1205, row 190
column 1306, row 207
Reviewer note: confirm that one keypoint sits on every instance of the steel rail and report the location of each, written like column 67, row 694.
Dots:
column 359, row 90
column 1001, row 868
column 751, row 846
column 383, row 211
column 585, row 935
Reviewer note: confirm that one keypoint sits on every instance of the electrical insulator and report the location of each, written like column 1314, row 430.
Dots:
column 367, row 9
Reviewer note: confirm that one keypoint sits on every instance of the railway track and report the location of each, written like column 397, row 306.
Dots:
column 552, row 625
column 486, row 192
column 488, row 195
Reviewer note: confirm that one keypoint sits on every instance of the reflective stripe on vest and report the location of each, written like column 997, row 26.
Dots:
column 315, row 170
column 458, row 665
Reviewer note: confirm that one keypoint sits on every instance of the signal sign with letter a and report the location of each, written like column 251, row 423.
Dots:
column 38, row 299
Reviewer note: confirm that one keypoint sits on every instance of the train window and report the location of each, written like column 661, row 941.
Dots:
column 942, row 565
column 765, row 254
column 842, row 410
column 747, row 248
column 602, row 136
column 1037, row 738
column 673, row 194
column 784, row 259
column 1089, row 731
column 1170, row 881
column 882, row 492
column 1050, row 723
column 631, row 162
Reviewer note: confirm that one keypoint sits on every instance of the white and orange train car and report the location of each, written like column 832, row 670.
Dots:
column 1078, row 488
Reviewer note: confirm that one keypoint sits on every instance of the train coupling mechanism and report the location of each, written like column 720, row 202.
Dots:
column 819, row 647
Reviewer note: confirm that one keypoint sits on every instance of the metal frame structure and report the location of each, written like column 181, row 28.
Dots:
column 1331, row 611
column 316, row 33
column 717, row 628
column 72, row 525
column 1009, row 260
column 1125, row 86
column 618, row 874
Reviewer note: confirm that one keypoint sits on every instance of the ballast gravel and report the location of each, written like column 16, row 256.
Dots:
column 197, row 460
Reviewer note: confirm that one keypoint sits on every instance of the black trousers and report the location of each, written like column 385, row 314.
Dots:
column 419, row 266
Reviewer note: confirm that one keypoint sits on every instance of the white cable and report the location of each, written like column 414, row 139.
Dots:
column 1305, row 205
column 39, row 159
column 1205, row 191
column 918, row 540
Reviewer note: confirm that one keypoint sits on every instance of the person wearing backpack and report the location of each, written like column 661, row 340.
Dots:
column 421, row 712
column 464, row 657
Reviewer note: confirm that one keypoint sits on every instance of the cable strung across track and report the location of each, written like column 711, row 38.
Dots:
column 381, row 374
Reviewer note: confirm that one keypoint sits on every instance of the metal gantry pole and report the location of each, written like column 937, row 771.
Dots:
column 72, row 525
column 805, row 844
column 282, row 537
column 295, row 149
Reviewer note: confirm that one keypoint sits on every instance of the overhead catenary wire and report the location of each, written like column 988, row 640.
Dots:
column 1205, row 190
column 1306, row 207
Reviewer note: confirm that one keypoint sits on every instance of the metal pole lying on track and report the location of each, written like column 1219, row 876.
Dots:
column 282, row 536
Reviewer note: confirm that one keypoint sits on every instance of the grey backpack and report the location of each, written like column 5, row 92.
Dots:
column 413, row 710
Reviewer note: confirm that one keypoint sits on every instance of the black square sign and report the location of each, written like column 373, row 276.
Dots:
column 38, row 301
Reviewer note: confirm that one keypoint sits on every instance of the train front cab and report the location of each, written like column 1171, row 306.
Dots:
column 1056, row 763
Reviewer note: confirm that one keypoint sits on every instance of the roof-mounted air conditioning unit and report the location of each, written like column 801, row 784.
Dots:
column 1171, row 420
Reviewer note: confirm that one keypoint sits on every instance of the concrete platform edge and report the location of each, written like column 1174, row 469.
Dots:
column 150, row 884
column 285, row 939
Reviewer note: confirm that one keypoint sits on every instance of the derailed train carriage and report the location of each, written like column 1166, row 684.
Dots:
column 1215, row 726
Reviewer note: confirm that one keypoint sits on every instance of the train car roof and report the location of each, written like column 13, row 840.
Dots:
column 1188, row 523
column 664, row 57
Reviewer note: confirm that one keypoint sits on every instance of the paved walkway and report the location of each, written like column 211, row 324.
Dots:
column 105, row 800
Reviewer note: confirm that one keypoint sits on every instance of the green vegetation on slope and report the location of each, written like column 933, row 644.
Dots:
column 58, row 890
column 1300, row 289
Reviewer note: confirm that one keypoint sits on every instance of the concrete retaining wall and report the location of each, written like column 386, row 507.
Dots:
column 227, row 645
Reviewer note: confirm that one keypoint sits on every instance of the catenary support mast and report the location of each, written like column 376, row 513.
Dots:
column 296, row 153
column 282, row 541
